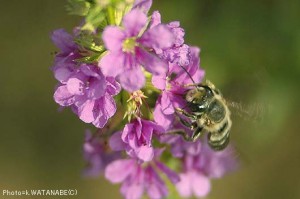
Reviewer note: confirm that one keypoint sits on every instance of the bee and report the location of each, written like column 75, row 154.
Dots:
column 208, row 112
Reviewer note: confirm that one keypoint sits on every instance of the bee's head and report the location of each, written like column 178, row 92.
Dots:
column 198, row 95
column 198, row 98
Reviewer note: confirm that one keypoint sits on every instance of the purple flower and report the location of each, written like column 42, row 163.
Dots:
column 89, row 93
column 176, row 78
column 198, row 169
column 164, row 111
column 173, row 88
column 96, row 154
column 143, row 5
column 180, row 147
column 64, row 41
column 136, row 139
column 64, row 63
column 130, row 48
column 193, row 183
column 215, row 164
column 178, row 53
column 137, row 178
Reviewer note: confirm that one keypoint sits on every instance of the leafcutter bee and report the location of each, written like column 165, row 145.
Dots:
column 208, row 112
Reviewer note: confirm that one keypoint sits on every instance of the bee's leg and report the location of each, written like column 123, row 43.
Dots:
column 189, row 115
column 197, row 133
column 187, row 124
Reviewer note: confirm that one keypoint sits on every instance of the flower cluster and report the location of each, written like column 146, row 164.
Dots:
column 125, row 72
column 200, row 164
column 82, row 86
column 137, row 179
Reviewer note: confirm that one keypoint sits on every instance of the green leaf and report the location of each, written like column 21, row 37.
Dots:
column 89, row 59
column 89, row 42
column 78, row 7
column 94, row 19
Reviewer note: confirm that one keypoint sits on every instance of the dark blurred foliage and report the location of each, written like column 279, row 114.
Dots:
column 249, row 49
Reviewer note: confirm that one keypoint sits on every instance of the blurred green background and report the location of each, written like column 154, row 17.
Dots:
column 249, row 49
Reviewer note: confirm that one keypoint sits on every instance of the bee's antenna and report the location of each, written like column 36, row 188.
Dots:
column 188, row 74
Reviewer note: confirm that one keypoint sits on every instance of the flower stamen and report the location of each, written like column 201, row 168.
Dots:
column 128, row 45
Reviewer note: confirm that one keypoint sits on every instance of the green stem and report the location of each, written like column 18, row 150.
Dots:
column 111, row 15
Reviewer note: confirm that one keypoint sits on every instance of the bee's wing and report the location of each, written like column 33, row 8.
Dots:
column 254, row 112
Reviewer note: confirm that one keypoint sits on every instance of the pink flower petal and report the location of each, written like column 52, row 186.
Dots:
column 63, row 97
column 75, row 86
column 109, row 105
column 172, row 175
column 146, row 134
column 143, row 5
column 132, row 80
column 162, row 119
column 113, row 38
column 159, row 81
column 159, row 36
column 198, row 76
column 113, row 87
column 118, row 170
column 133, row 191
column 97, row 88
column 184, row 186
column 153, row 126
column 134, row 21
column 85, row 111
column 155, row 19
column 63, row 73
column 217, row 164
column 166, row 104
column 156, row 188
column 200, row 184
column 63, row 40
column 133, row 141
column 145, row 153
column 116, row 143
column 112, row 64
column 151, row 62
column 126, row 131
column 91, row 70
column 100, row 120
column 104, row 109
